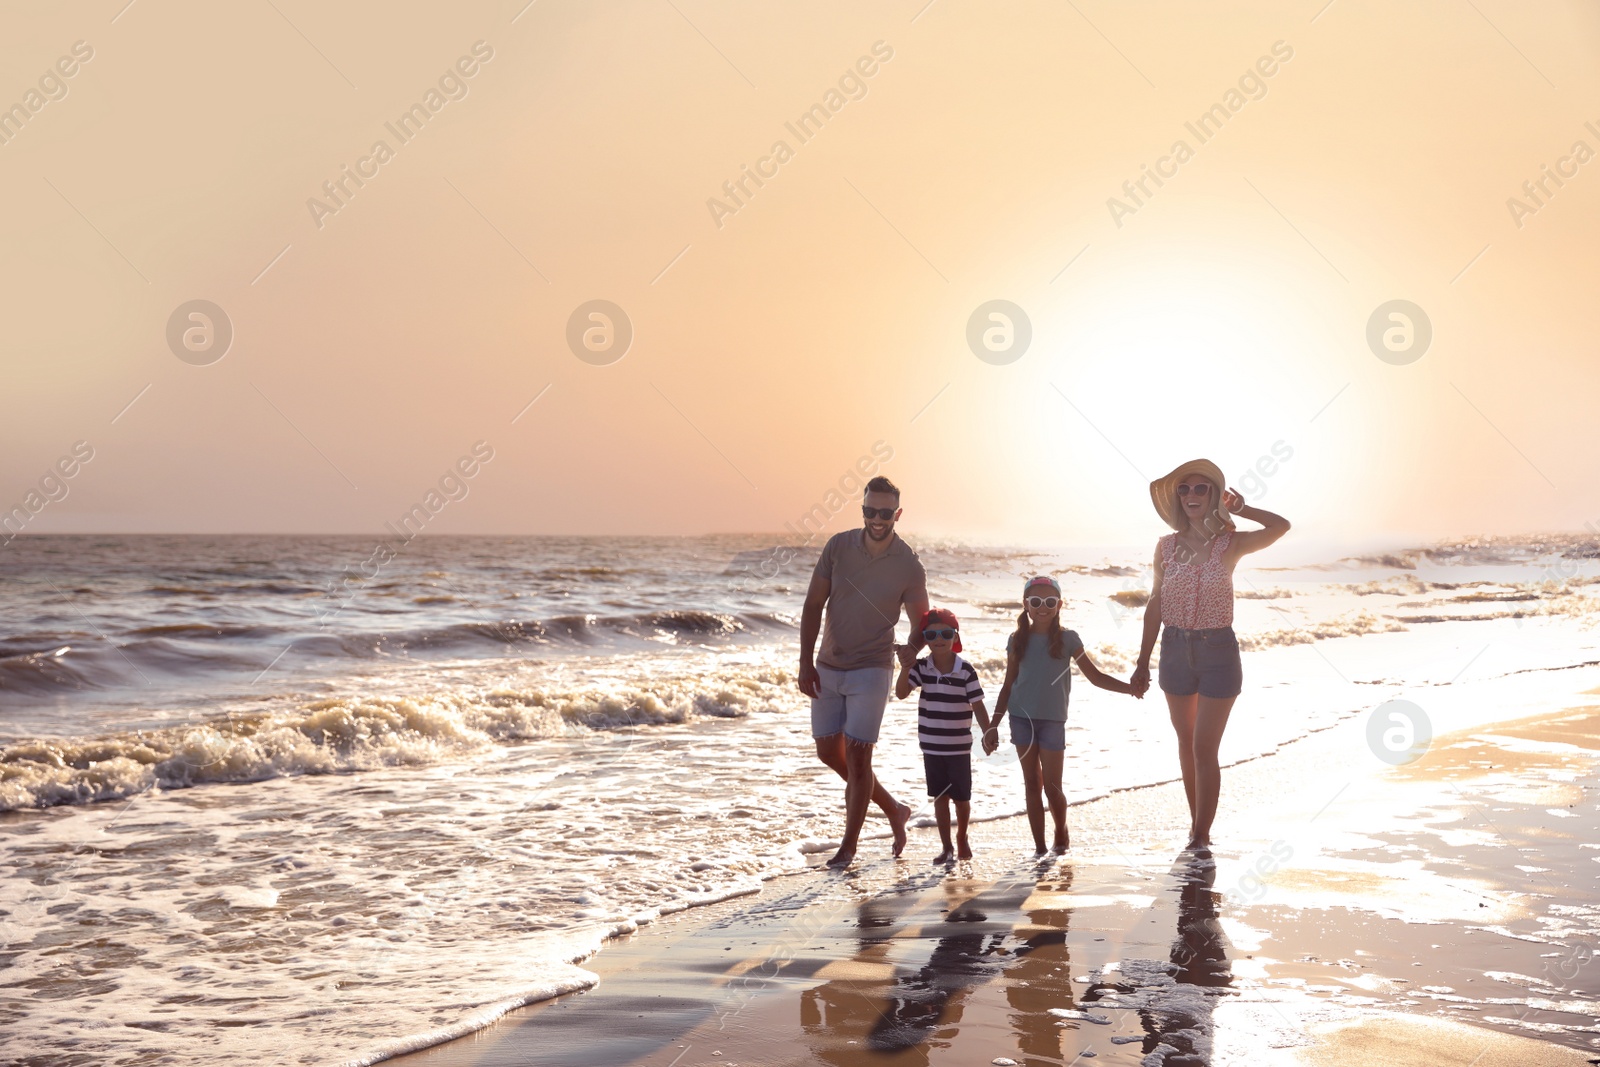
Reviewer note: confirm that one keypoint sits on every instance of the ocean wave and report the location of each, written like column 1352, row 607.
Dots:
column 356, row 733
column 203, row 629
column 1353, row 625
column 1274, row 593
column 40, row 673
column 39, row 664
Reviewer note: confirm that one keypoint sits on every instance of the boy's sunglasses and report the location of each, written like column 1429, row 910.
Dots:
column 1198, row 490
column 1042, row 602
column 938, row 635
column 877, row 513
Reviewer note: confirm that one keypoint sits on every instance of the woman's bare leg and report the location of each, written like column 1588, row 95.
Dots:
column 1184, row 711
column 1211, row 721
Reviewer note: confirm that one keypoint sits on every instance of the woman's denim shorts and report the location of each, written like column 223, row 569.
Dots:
column 1200, row 661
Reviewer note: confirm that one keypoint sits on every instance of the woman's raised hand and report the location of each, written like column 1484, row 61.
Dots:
column 1232, row 501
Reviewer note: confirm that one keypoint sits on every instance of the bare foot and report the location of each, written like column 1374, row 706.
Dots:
column 842, row 859
column 963, row 849
column 901, row 816
column 1063, row 842
column 1039, row 851
column 943, row 857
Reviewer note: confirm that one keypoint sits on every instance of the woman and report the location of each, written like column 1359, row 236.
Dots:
column 1192, row 600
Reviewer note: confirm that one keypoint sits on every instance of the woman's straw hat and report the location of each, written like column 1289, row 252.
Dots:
column 1164, row 495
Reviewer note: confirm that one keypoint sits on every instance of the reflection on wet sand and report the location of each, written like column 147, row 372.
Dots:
column 903, row 1012
column 878, row 1005
column 1176, row 998
column 899, row 1000
column 1040, row 979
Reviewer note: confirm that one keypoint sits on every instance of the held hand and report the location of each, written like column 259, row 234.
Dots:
column 905, row 654
column 991, row 741
column 1232, row 502
column 809, row 680
column 1140, row 681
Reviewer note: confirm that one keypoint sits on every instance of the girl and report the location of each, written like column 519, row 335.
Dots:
column 1191, row 603
column 1038, row 682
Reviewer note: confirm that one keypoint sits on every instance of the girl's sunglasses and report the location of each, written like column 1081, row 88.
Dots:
column 877, row 513
column 1042, row 602
column 938, row 635
column 1198, row 490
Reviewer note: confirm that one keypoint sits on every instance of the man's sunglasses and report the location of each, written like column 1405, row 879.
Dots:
column 1198, row 490
column 878, row 513
column 938, row 635
column 1042, row 602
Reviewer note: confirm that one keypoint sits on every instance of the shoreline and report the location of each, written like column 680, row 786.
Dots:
column 1121, row 876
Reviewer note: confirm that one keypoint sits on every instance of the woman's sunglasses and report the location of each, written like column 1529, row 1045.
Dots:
column 938, row 635
column 1198, row 490
column 877, row 513
column 1042, row 602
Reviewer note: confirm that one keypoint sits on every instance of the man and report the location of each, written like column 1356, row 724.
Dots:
column 865, row 578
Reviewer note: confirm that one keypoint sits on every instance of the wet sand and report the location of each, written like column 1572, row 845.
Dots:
column 1439, row 912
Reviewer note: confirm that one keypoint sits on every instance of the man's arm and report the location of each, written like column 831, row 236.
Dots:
column 810, row 627
column 915, row 603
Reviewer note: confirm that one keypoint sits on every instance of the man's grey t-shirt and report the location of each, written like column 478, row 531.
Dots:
column 864, row 599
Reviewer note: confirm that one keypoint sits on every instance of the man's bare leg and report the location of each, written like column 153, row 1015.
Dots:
column 834, row 751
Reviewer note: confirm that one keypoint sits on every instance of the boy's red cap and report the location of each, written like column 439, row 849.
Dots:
column 946, row 616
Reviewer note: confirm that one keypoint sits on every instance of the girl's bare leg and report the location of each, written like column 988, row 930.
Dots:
column 1032, row 788
column 1050, row 766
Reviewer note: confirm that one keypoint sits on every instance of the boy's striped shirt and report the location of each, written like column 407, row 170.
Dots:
column 944, row 710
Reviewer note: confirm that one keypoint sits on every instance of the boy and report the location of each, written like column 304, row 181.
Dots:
column 951, row 695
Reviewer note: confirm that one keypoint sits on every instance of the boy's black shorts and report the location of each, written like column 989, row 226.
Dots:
column 949, row 775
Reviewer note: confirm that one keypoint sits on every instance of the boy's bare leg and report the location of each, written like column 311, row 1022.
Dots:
column 963, row 812
column 941, row 813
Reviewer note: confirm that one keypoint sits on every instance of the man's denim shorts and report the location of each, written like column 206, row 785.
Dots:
column 851, row 702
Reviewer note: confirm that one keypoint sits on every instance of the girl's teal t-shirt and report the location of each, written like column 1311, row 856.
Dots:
column 1043, row 684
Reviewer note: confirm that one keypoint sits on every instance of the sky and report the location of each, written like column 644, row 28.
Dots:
column 387, row 336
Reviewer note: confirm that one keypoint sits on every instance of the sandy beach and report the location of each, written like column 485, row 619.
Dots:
column 1414, row 916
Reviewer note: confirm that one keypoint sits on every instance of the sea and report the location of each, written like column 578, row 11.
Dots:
column 267, row 799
